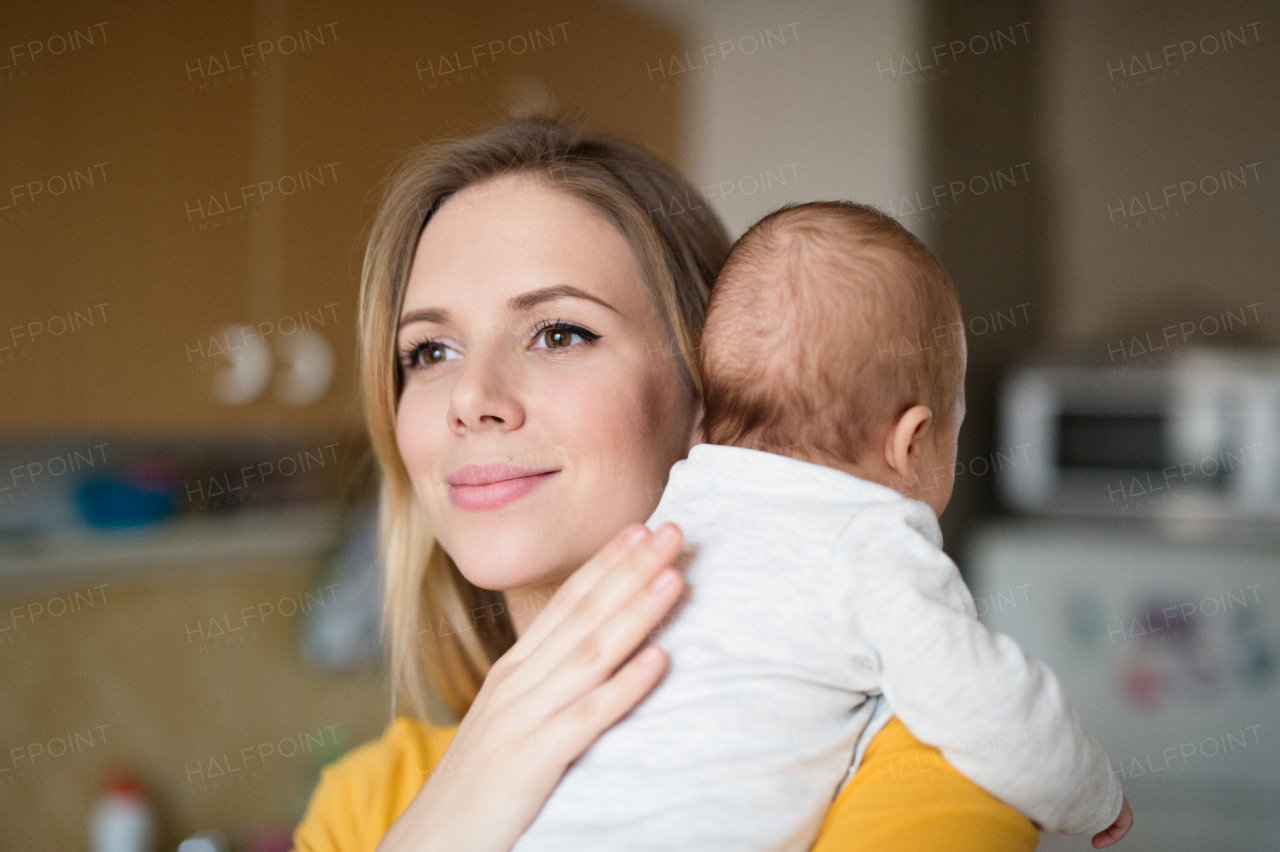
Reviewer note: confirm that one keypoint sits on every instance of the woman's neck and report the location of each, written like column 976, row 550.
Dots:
column 526, row 602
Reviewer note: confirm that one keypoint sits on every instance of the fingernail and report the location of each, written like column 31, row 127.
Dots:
column 633, row 536
column 665, row 580
column 665, row 536
column 648, row 657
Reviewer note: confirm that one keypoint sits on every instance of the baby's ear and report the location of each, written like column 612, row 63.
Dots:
column 923, row 425
column 907, row 438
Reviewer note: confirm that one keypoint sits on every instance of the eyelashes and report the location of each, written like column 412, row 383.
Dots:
column 411, row 355
column 588, row 336
column 418, row 355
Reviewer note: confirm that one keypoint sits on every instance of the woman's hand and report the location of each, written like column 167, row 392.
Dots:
column 547, row 699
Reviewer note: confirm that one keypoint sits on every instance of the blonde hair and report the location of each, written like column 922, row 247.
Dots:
column 828, row 320
column 679, row 246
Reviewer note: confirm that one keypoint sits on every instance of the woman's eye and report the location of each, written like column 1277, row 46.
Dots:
column 555, row 338
column 562, row 336
column 428, row 353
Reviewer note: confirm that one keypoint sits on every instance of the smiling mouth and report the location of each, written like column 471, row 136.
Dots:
column 476, row 490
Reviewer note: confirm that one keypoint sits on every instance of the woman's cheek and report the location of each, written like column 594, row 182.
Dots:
column 644, row 436
column 413, row 424
column 613, row 413
column 669, row 408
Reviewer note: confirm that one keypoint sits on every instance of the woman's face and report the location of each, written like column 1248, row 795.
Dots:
column 543, row 404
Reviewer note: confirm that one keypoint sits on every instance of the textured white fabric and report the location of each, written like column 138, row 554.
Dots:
column 811, row 593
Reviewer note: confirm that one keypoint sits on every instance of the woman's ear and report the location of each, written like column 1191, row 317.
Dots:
column 904, row 445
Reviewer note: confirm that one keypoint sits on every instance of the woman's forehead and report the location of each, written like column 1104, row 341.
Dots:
column 493, row 241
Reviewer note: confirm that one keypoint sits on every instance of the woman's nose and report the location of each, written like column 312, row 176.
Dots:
column 483, row 396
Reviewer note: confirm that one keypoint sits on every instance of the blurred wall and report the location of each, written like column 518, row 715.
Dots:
column 158, row 671
column 788, row 102
column 1161, row 130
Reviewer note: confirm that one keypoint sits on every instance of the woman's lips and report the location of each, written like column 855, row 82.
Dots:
column 477, row 488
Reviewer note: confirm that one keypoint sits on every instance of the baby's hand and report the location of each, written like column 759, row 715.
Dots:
column 1118, row 829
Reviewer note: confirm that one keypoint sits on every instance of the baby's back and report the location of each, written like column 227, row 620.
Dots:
column 745, row 741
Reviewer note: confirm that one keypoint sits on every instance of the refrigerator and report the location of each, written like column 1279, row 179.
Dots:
column 1166, row 638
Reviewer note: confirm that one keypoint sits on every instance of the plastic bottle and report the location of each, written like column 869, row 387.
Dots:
column 123, row 820
column 205, row 841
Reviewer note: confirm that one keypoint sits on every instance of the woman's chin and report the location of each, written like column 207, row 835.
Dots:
column 493, row 566
column 501, row 578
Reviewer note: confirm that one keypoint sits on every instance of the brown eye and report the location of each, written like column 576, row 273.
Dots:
column 557, row 338
column 562, row 335
column 427, row 354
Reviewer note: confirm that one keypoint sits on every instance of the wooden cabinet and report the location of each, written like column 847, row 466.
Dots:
column 169, row 173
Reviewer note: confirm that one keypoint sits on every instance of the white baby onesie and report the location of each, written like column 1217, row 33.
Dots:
column 813, row 598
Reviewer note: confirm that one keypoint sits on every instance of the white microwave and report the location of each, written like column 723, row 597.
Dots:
column 1199, row 440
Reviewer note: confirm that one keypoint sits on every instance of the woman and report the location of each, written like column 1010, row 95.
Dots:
column 529, row 304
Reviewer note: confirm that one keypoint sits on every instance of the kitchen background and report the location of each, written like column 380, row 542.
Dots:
column 185, row 564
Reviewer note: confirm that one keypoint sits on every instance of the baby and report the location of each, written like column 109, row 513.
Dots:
column 819, row 601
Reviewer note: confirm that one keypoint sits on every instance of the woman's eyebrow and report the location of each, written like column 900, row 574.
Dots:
column 436, row 315
column 525, row 301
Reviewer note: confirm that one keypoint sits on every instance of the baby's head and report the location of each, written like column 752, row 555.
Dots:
column 833, row 335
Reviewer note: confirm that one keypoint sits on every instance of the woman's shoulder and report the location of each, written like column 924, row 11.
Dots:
column 406, row 745
column 362, row 793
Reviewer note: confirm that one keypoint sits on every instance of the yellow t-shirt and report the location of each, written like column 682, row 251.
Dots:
column 904, row 796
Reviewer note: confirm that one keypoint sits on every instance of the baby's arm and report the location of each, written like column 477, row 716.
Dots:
column 997, row 714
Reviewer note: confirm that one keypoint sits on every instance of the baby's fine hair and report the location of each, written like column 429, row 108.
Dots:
column 828, row 320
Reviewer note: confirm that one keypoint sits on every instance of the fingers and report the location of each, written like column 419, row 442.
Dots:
column 619, row 599
column 591, row 662
column 585, row 719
